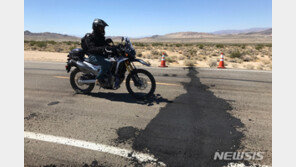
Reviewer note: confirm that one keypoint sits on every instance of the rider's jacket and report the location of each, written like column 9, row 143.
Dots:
column 94, row 44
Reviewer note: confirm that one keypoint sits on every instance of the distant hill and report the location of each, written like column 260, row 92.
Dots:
column 264, row 32
column 197, row 37
column 187, row 35
column 250, row 30
column 48, row 36
column 254, row 35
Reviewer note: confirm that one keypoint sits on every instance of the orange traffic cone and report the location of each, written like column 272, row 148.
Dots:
column 162, row 63
column 221, row 63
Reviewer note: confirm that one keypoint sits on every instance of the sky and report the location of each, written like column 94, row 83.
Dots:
column 139, row 18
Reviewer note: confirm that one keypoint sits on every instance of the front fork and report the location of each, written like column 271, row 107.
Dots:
column 130, row 67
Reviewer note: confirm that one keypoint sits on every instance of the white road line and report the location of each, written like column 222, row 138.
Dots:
column 107, row 149
column 92, row 146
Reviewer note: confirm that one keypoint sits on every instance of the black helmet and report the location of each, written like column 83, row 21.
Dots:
column 99, row 23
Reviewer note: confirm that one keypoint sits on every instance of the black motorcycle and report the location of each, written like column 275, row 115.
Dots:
column 139, row 82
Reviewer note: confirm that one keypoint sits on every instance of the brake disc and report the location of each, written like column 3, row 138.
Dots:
column 143, row 84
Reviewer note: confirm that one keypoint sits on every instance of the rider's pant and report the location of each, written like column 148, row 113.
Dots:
column 105, row 65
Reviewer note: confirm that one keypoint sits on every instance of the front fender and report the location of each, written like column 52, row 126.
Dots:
column 142, row 62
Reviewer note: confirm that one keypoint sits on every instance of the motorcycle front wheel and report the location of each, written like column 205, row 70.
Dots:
column 140, row 84
column 76, row 74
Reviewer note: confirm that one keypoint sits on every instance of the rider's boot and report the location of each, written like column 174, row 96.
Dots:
column 100, row 82
column 117, row 81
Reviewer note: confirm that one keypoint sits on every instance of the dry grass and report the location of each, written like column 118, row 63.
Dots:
column 212, row 63
column 189, row 63
column 246, row 56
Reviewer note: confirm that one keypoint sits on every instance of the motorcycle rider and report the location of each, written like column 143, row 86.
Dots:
column 98, row 48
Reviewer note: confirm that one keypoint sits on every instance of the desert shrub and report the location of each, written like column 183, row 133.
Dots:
column 190, row 63
column 260, row 67
column 212, row 63
column 259, row 47
column 243, row 46
column 51, row 42
column 155, row 52
column 148, row 47
column 200, row 58
column 219, row 45
column 201, row 46
column 41, row 44
column 214, row 55
column 155, row 57
column 178, row 45
column 68, row 42
column 76, row 43
column 72, row 47
column 139, row 44
column 188, row 44
column 174, row 57
column 190, row 53
column 157, row 44
column 235, row 54
column 266, row 62
column 32, row 43
column 232, row 60
column 269, row 45
column 139, row 55
column 58, row 49
column 239, row 60
column 147, row 56
column 170, row 59
column 247, row 58
column 181, row 57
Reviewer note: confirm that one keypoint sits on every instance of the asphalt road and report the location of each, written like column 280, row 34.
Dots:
column 195, row 112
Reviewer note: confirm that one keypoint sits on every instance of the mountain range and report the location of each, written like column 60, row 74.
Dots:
column 253, row 35
column 250, row 30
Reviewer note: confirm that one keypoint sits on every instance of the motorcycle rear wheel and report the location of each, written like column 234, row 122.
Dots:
column 83, row 88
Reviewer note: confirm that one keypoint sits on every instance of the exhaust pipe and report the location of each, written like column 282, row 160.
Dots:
column 83, row 67
column 87, row 81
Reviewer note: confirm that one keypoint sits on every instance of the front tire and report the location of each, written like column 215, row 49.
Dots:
column 140, row 95
column 74, row 83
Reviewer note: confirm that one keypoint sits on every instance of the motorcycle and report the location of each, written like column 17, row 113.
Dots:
column 139, row 82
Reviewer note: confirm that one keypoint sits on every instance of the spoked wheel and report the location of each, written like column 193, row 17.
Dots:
column 140, row 83
column 76, row 75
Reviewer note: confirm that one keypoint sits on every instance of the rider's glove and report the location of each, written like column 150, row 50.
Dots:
column 110, row 49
